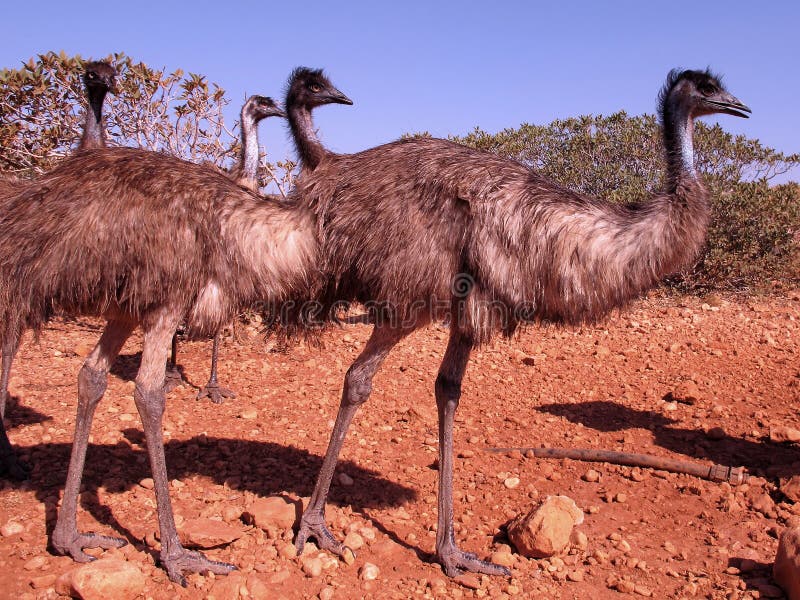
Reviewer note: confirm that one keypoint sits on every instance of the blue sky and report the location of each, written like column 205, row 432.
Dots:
column 444, row 67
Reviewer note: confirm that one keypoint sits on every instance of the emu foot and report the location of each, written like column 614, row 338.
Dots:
column 183, row 561
column 313, row 525
column 74, row 544
column 13, row 468
column 172, row 378
column 215, row 392
column 456, row 562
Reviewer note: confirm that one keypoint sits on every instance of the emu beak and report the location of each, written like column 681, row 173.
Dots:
column 334, row 96
column 277, row 111
column 730, row 105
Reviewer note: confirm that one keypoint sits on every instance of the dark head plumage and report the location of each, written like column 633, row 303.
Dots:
column 99, row 75
column 702, row 92
column 311, row 88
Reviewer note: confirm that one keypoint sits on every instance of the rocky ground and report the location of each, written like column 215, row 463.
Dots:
column 703, row 380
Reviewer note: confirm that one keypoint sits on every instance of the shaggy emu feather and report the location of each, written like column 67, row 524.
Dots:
column 147, row 240
column 425, row 229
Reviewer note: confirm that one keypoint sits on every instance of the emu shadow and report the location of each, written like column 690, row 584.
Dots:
column 18, row 414
column 263, row 468
column 761, row 457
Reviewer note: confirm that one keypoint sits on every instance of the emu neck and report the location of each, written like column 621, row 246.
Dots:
column 309, row 147
column 248, row 160
column 679, row 145
column 94, row 135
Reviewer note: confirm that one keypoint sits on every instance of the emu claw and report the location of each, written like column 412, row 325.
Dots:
column 74, row 546
column 172, row 379
column 314, row 526
column 215, row 393
column 193, row 562
column 456, row 562
column 13, row 468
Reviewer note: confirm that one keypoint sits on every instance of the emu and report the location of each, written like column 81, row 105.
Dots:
column 245, row 173
column 425, row 229
column 98, row 79
column 142, row 239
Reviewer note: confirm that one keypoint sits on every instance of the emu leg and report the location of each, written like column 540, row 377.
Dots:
column 10, row 465
column 454, row 561
column 172, row 376
column 356, row 391
column 212, row 389
column 150, row 400
column 91, row 387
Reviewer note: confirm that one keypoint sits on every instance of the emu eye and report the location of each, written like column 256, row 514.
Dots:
column 315, row 87
column 91, row 75
column 707, row 89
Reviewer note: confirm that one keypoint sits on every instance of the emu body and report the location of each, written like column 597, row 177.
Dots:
column 98, row 80
column 146, row 240
column 425, row 229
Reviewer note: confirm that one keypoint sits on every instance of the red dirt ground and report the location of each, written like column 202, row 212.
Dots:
column 605, row 387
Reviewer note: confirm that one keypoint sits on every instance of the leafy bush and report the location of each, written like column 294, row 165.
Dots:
column 42, row 107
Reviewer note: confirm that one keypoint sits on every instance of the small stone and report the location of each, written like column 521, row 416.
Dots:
column 344, row 479
column 685, row 392
column 326, row 593
column 642, row 591
column 786, row 569
column 784, row 434
column 11, row 528
column 353, row 540
column 44, row 581
column 716, row 433
column 579, row 540
column 227, row 588
column 468, row 580
column 503, row 558
column 147, row 483
column 621, row 497
column 312, row 567
column 591, row 476
column 368, row 572
column 348, row 556
column 249, row 414
column 511, row 482
column 575, row 576
column 624, row 586
column 107, row 578
column 208, row 533
column 287, row 551
column 37, row 562
column 273, row 511
column 545, row 530
column 257, row 588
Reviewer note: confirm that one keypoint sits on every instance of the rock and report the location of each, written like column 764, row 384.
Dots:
column 312, row 567
column 43, row 581
column 503, row 558
column 344, row 479
column 511, row 482
column 37, row 562
column 685, row 392
column 591, row 476
column 107, row 578
column 784, row 434
column 786, row 569
column 545, row 531
column 208, row 533
column 353, row 540
column 273, row 511
column 716, row 433
column 369, row 572
column 226, row 588
column 11, row 528
column 791, row 488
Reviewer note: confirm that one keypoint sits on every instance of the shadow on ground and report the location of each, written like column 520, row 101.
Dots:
column 760, row 457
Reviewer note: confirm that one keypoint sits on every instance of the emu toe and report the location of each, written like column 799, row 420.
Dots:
column 74, row 545
column 215, row 392
column 190, row 561
column 313, row 526
column 456, row 562
column 172, row 379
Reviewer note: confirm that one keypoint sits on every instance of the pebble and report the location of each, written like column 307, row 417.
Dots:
column 312, row 567
column 37, row 562
column 511, row 482
column 344, row 479
column 591, row 476
column 353, row 540
column 11, row 528
column 369, row 572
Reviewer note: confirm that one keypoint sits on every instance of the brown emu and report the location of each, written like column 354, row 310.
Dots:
column 98, row 80
column 425, row 229
column 245, row 173
column 146, row 240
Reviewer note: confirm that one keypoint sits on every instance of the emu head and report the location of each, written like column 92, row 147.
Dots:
column 310, row 88
column 260, row 107
column 98, row 76
column 700, row 93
